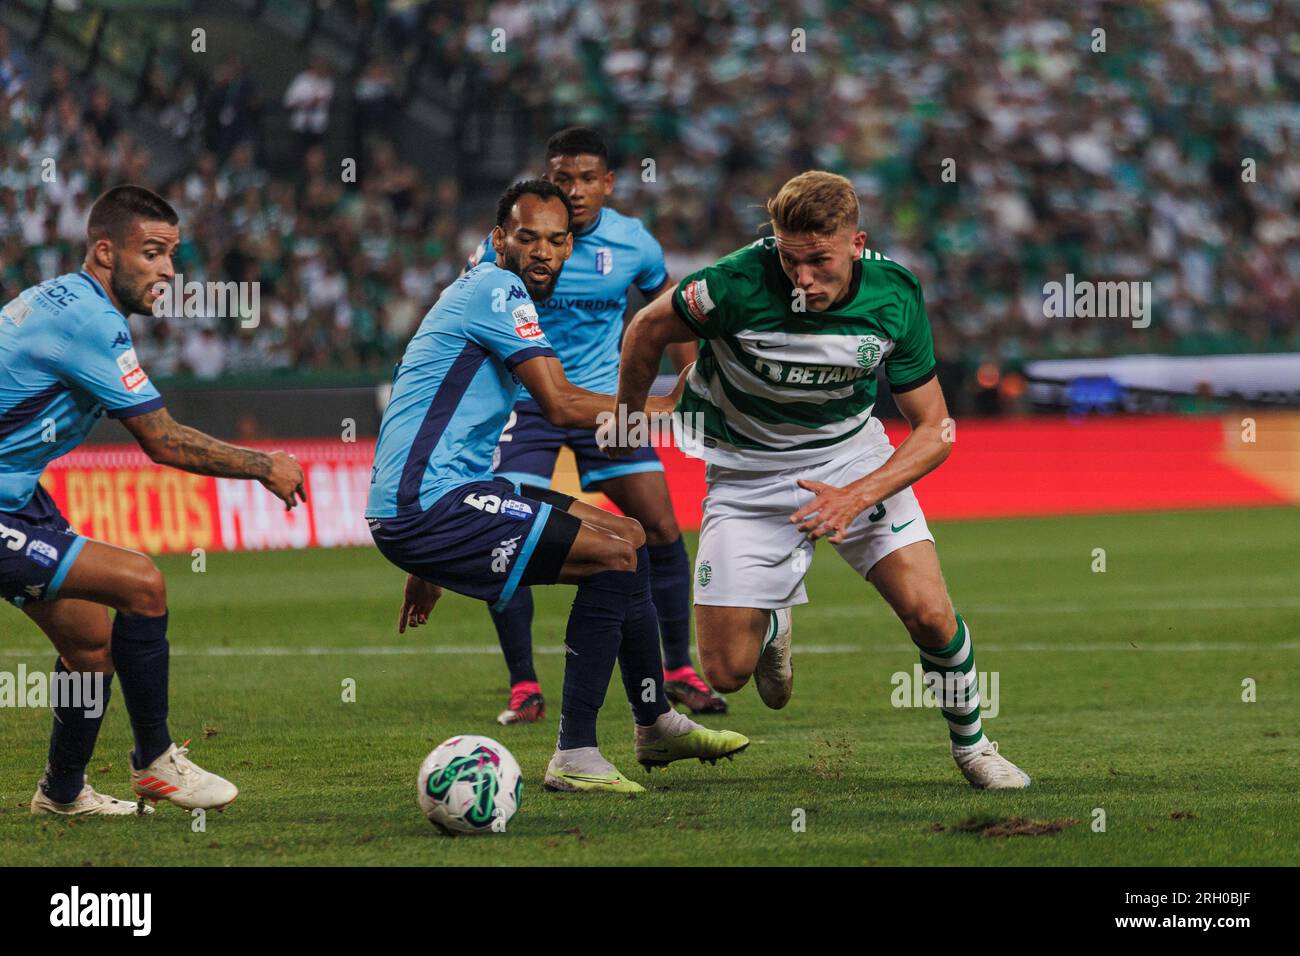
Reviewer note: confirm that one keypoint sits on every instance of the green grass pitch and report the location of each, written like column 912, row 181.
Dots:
column 1119, row 690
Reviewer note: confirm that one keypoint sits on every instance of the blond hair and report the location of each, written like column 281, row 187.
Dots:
column 817, row 202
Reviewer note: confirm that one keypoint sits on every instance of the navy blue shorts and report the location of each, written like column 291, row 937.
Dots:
column 37, row 548
column 530, row 444
column 485, row 540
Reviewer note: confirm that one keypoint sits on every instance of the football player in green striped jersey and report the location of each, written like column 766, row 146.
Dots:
column 793, row 329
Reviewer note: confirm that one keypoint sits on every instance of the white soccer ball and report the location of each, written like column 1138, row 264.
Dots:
column 470, row 784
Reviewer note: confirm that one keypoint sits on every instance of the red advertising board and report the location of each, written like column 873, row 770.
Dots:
column 998, row 468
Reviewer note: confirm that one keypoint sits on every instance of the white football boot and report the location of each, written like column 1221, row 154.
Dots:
column 175, row 777
column 774, row 674
column 986, row 769
column 89, row 803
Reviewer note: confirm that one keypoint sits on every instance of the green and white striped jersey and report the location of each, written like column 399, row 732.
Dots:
column 775, row 387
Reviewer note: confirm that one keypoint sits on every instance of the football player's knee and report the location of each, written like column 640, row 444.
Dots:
column 630, row 530
column 725, row 673
column 147, row 593
column 726, row 680
column 621, row 555
column 662, row 529
column 932, row 622
column 92, row 659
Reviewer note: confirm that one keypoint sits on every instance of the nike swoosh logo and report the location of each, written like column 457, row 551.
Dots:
column 900, row 527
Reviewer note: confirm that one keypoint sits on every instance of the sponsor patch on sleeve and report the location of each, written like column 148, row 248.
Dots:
column 696, row 297
column 128, row 361
column 133, row 376
column 134, row 381
column 16, row 311
column 526, row 324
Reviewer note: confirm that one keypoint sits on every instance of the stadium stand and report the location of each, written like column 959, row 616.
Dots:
column 1170, row 157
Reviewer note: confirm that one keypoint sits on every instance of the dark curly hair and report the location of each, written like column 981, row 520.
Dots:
column 535, row 187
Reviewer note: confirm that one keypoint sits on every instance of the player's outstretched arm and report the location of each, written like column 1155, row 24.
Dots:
column 652, row 329
column 566, row 405
column 167, row 442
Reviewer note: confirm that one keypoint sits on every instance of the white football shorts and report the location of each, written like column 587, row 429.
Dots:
column 752, row 555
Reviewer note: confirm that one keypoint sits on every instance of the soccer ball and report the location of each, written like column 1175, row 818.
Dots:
column 470, row 784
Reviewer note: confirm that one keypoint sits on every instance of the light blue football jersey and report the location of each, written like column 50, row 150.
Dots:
column 453, row 391
column 66, row 358
column 583, row 318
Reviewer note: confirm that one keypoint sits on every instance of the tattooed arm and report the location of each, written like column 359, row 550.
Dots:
column 168, row 442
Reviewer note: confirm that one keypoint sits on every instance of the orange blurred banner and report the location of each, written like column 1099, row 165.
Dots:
column 116, row 494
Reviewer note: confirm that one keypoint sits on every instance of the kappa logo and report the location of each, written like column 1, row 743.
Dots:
column 695, row 295
column 122, row 339
column 604, row 260
column 43, row 554
column 870, row 348
column 502, row 554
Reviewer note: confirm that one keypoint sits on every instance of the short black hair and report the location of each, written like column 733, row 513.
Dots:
column 577, row 141
column 114, row 212
column 535, row 187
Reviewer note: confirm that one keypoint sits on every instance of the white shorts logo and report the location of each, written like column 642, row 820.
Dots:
column 516, row 509
column 502, row 553
column 42, row 553
column 12, row 538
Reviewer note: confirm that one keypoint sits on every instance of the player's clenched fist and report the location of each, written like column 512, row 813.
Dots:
column 285, row 479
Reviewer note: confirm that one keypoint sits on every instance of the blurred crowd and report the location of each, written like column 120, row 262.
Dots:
column 995, row 149
column 1165, row 148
